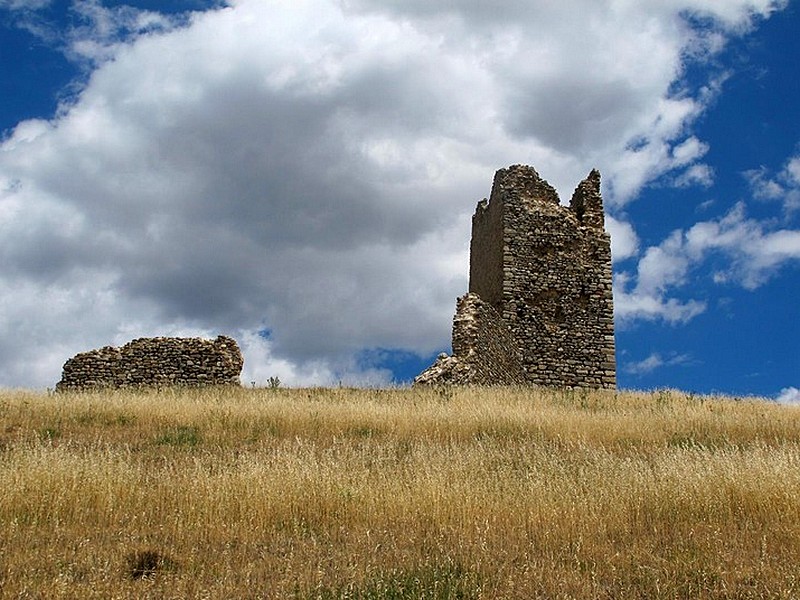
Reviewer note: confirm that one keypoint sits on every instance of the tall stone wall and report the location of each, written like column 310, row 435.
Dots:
column 156, row 362
column 546, row 270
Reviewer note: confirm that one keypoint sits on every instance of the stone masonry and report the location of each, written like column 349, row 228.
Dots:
column 155, row 362
column 539, row 288
column 483, row 349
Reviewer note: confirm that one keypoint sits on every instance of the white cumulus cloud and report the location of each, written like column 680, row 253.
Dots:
column 784, row 186
column 624, row 241
column 789, row 395
column 656, row 361
column 754, row 252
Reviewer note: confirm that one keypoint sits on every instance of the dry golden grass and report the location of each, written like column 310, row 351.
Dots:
column 413, row 493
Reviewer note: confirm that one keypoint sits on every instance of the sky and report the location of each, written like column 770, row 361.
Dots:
column 301, row 175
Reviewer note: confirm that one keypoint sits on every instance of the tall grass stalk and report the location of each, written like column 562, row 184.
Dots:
column 408, row 493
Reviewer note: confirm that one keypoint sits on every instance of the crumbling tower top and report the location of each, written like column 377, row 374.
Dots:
column 587, row 203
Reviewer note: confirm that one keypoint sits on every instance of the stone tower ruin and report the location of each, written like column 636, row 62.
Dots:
column 540, row 308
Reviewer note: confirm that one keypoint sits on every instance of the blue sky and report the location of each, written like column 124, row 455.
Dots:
column 301, row 175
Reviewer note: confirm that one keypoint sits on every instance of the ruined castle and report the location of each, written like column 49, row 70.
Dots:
column 539, row 309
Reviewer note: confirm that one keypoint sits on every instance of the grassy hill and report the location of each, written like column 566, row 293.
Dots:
column 408, row 493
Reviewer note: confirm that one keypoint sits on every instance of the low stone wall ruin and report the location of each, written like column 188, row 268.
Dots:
column 155, row 362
